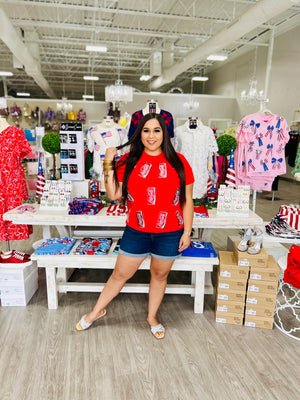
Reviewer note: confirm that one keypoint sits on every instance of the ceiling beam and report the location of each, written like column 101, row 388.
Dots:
column 12, row 40
column 57, row 26
column 118, row 10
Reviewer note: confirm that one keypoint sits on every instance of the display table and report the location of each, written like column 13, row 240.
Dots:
column 67, row 224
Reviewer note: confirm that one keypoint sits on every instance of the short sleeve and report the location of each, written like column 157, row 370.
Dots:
column 120, row 169
column 22, row 147
column 189, row 176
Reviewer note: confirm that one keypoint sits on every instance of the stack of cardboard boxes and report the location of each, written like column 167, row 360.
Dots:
column 246, row 288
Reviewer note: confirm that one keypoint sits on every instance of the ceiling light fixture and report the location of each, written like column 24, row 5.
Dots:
column 200, row 78
column 216, row 57
column 6, row 73
column 145, row 78
column 88, row 96
column 23, row 94
column 91, row 78
column 118, row 93
column 253, row 96
column 101, row 49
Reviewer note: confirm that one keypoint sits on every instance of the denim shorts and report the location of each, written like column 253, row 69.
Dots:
column 160, row 245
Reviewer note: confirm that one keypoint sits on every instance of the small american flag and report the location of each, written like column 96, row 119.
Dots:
column 40, row 182
column 230, row 176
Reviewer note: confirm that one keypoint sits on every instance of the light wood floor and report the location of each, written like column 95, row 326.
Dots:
column 43, row 357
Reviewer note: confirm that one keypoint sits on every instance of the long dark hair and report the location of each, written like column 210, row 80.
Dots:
column 136, row 151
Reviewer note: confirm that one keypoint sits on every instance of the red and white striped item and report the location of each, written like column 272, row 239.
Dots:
column 291, row 215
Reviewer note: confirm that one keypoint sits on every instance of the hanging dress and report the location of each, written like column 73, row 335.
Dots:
column 13, row 190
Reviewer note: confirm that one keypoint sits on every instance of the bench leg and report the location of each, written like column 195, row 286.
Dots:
column 199, row 292
column 52, row 295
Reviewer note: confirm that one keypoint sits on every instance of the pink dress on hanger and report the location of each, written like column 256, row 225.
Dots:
column 13, row 148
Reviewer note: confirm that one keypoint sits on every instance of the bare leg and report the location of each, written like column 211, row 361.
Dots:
column 124, row 269
column 159, row 272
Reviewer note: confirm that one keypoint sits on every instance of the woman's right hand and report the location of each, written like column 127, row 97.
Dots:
column 110, row 153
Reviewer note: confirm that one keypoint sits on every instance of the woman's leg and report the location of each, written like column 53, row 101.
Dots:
column 159, row 269
column 124, row 269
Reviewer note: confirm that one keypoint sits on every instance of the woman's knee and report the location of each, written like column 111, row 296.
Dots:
column 120, row 275
column 159, row 275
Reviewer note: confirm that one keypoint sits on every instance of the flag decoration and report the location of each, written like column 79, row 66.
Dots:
column 230, row 175
column 40, row 182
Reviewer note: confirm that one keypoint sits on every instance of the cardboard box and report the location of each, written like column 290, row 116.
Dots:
column 262, row 286
column 245, row 259
column 261, row 299
column 260, row 311
column 228, row 267
column 231, row 295
column 255, row 321
column 231, row 284
column 233, row 307
column 268, row 273
column 229, row 318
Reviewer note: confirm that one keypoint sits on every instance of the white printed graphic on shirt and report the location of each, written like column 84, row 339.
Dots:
column 179, row 218
column 140, row 219
column 151, row 195
column 130, row 198
column 161, row 220
column 145, row 169
column 162, row 170
column 128, row 216
column 176, row 197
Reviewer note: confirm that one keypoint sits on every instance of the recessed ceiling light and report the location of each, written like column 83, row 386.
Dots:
column 96, row 48
column 88, row 96
column 216, row 57
column 6, row 73
column 200, row 78
column 23, row 94
column 91, row 78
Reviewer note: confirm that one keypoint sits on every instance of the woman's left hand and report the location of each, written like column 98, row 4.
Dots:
column 184, row 242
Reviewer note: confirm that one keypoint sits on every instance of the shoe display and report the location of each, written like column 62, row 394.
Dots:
column 14, row 257
column 243, row 245
column 11, row 252
column 258, row 241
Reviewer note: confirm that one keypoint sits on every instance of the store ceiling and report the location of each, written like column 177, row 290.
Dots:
column 49, row 38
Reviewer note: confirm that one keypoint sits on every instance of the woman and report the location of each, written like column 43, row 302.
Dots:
column 157, row 184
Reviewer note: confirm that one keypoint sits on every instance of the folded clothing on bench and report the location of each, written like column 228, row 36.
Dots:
column 56, row 246
column 94, row 246
column 200, row 249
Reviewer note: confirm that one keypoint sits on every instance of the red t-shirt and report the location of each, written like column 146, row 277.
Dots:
column 153, row 194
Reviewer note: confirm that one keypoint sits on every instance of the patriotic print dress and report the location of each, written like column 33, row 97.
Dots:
column 13, row 148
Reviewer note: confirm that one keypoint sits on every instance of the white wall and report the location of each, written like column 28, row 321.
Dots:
column 230, row 79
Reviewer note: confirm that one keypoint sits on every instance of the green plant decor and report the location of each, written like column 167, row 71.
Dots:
column 225, row 143
column 51, row 144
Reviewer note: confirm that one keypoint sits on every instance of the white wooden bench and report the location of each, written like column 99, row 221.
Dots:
column 57, row 284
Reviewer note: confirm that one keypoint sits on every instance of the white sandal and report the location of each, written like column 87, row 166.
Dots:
column 158, row 331
column 82, row 325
